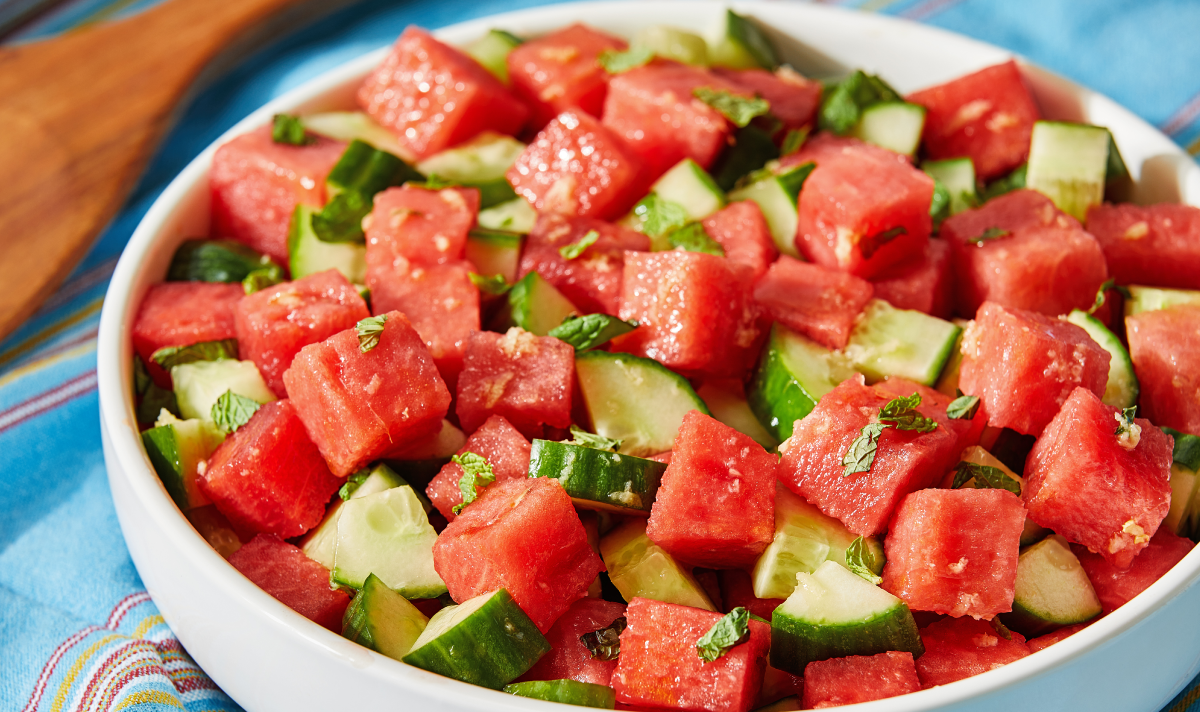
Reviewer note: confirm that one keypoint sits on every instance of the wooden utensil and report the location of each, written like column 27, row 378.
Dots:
column 81, row 114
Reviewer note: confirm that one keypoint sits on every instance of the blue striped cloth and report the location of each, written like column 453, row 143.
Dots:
column 77, row 630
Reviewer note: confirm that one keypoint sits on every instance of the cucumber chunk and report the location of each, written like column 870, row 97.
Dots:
column 834, row 613
column 486, row 641
column 1143, row 299
column 320, row 543
column 635, row 400
column 350, row 125
column 777, row 196
column 368, row 170
column 495, row 252
column 690, row 186
column 567, row 692
column 792, row 375
column 640, row 568
column 894, row 125
column 479, row 163
column 492, row 51
column 672, row 43
column 947, row 383
column 1122, row 388
column 958, row 175
column 176, row 448
column 888, row 341
column 382, row 620
column 598, row 479
column 844, row 102
column 214, row 261
column 740, row 44
column 534, row 305
column 515, row 216
column 387, row 534
column 1068, row 164
column 309, row 254
column 199, row 384
column 1182, row 517
column 726, row 402
column 1052, row 590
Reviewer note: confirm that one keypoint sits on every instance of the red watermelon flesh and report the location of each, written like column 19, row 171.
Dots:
column 954, row 551
column 182, row 313
column 967, row 431
column 1155, row 245
column 1165, row 348
column 793, row 98
column 1115, row 587
column 1023, row 365
column 820, row 303
column 295, row 580
column 273, row 324
column 268, row 476
column 525, row 378
column 522, row 535
column 256, row 185
column 694, row 311
column 659, row 667
column 559, row 71
column 575, row 166
column 1011, row 212
column 424, row 227
column 742, row 232
column 1045, row 641
column 737, row 589
column 358, row 407
column 925, row 284
column 859, row 678
column 591, row 281
column 987, row 116
column 497, row 441
column 433, row 96
column 569, row 658
column 1082, row 483
column 716, row 504
column 863, row 209
column 958, row 648
column 905, row 460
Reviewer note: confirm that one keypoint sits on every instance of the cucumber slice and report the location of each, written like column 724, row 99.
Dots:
column 1122, row 388
column 1033, row 532
column 740, row 44
column 1143, row 299
column 894, row 125
column 486, row 641
column 635, row 400
column 793, row 374
column 958, row 175
column 495, row 252
column 640, row 568
column 309, row 254
column 382, row 620
column 777, row 196
column 834, row 613
column 515, row 215
column 804, row 539
column 387, row 534
column 888, row 341
column 1068, row 163
column 176, row 448
column 727, row 404
column 214, row 261
column 1052, row 590
column 672, row 43
column 598, row 479
column 480, row 163
column 751, row 149
column 947, row 383
column 535, row 306
column 492, row 51
column 319, row 543
column 692, row 188
column 199, row 384
column 567, row 692
column 1183, row 496
column 350, row 125
column 368, row 170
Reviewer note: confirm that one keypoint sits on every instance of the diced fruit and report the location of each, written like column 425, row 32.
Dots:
column 351, row 125
column 309, row 254
column 498, row 442
column 494, row 252
column 599, row 479
column 479, row 163
column 516, row 215
column 957, row 648
column 414, row 225
column 639, row 568
column 743, row 233
column 894, row 125
column 1122, row 387
column 559, row 71
column 295, row 580
column 199, row 384
column 672, row 43
column 383, row 620
column 387, row 534
column 1165, row 348
column 319, row 543
column 740, row 44
column 1116, row 587
column 777, row 197
column 569, row 658
column 726, row 400
column 1052, row 589
column 897, row 342
column 924, row 284
column 967, row 430
column 957, row 175
column 534, row 305
column 737, row 589
column 567, row 692
column 1143, row 299
column 178, row 450
column 793, row 98
column 859, row 678
column 492, row 50
column 793, row 374
column 819, row 303
column 1098, row 481
column 1157, row 245
column 183, row 313
column 1068, row 163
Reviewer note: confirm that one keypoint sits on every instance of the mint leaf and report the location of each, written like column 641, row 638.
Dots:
column 694, row 238
column 341, row 218
column 576, row 249
column 583, row 438
column 288, row 130
column 494, row 285
column 939, row 206
column 477, row 474
column 141, row 378
column 169, row 356
column 590, row 331
column 605, row 643
column 369, row 330
column 1187, row 449
column 1102, row 294
column 903, row 413
column 843, row 102
column 872, row 244
column 616, row 62
column 963, row 407
column 794, row 140
column 352, row 483
column 659, row 216
column 232, row 411
column 985, row 477
column 992, row 233
column 732, row 629
column 263, row 277
column 739, row 110
column 861, row 560
column 861, row 454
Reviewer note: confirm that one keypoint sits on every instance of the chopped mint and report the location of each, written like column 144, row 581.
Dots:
column 694, row 238
column 494, row 285
column 590, row 331
column 169, row 356
column 738, row 109
column 992, row 233
column 1102, row 294
column 861, row 454
column 369, row 330
column 477, row 474
column 1001, row 629
column 232, row 411
column 903, row 413
column 939, row 206
column 263, row 277
column 616, row 62
column 352, row 483
column 861, row 561
column 794, row 140
column 576, row 249
column 732, row 629
column 605, row 643
column 583, row 438
column 288, row 130
column 659, row 216
column 341, row 218
column 900, row 413
column 843, row 102
column 985, row 477
column 963, row 407
column 1187, row 449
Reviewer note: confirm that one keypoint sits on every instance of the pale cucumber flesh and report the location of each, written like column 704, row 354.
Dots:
column 900, row 342
column 199, row 384
column 640, row 568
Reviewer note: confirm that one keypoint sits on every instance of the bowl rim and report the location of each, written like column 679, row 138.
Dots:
column 114, row 351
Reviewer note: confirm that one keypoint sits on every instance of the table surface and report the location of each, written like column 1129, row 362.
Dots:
column 76, row 627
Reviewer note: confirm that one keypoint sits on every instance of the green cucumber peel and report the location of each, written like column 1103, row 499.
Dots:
column 494, row 285
column 215, row 261
column 1007, row 184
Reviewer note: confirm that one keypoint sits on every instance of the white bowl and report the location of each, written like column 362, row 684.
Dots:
column 269, row 658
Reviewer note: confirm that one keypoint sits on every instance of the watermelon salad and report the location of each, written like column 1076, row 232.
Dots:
column 653, row 374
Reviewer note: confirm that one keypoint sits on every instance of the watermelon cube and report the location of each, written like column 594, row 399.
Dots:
column 737, row 589
column 433, row 96
column 575, row 166
column 1115, row 587
column 924, row 284
column 1165, row 348
column 559, row 71
column 863, row 209
column 1105, row 490
column 794, row 99
column 742, row 232
column 1020, row 251
column 358, row 407
column 268, row 476
column 569, row 658
column 497, row 441
column 273, row 324
column 958, row 648
column 694, row 310
column 424, row 227
column 820, row 303
column 1023, row 365
column 591, row 281
column 256, row 185
column 987, row 116
column 659, row 666
column 1155, row 245
column 905, row 460
column 295, row 580
column 1045, row 641
column 182, row 313
column 716, row 504
column 525, row 378
column 954, row 551
column 859, row 678
column 522, row 535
